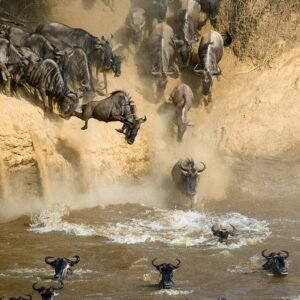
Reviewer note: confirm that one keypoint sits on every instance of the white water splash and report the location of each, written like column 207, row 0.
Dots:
column 172, row 292
column 180, row 228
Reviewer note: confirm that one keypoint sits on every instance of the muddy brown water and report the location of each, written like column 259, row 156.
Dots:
column 117, row 243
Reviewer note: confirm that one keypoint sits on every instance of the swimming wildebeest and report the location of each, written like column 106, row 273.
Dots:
column 135, row 22
column 27, row 297
column 162, row 48
column 12, row 64
column 48, row 293
column 62, row 266
column 166, row 272
column 276, row 262
column 182, row 97
column 46, row 77
column 223, row 232
column 210, row 53
column 186, row 175
column 116, row 107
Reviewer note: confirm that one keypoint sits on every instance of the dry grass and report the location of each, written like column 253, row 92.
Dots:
column 261, row 29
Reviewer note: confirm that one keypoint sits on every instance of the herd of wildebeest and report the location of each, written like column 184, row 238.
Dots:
column 61, row 65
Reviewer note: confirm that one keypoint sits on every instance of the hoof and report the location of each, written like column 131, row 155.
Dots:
column 84, row 128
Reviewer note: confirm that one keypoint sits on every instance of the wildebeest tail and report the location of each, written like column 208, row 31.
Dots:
column 227, row 39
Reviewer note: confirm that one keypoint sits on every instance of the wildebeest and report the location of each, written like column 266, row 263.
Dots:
column 276, row 262
column 162, row 50
column 211, row 8
column 182, row 97
column 27, row 297
column 62, row 266
column 192, row 8
column 12, row 64
column 75, row 70
column 186, row 175
column 159, row 8
column 48, row 293
column 46, row 77
column 210, row 53
column 116, row 107
column 223, row 233
column 136, row 22
column 166, row 272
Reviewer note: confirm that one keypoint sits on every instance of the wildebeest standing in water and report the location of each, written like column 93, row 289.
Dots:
column 182, row 97
column 116, row 107
column 136, row 22
column 166, row 272
column 276, row 262
column 46, row 77
column 162, row 50
column 210, row 53
column 186, row 175
column 48, row 293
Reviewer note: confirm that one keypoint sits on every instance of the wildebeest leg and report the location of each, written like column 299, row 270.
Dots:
column 105, row 81
column 86, row 114
column 7, row 78
column 45, row 101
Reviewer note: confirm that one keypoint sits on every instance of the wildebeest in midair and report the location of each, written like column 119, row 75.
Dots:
column 182, row 98
column 162, row 52
column 223, row 233
column 116, row 107
column 186, row 175
column 166, row 272
column 62, row 266
column 210, row 53
column 46, row 77
column 136, row 22
column 276, row 262
column 48, row 293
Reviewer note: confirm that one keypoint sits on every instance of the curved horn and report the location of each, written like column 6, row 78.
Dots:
column 196, row 70
column 71, row 262
column 183, row 168
column 47, row 260
column 264, row 255
column 144, row 119
column 153, row 264
column 60, row 287
column 287, row 254
column 155, row 73
column 204, row 167
column 214, row 229
column 35, row 288
column 234, row 231
column 178, row 264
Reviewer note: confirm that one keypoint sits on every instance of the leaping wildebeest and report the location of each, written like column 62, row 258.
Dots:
column 276, row 262
column 62, row 266
column 166, row 272
column 210, row 53
column 116, row 107
column 162, row 50
column 182, row 98
column 186, row 175
column 48, row 293
column 223, row 233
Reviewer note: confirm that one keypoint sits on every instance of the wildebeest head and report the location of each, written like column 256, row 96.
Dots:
column 166, row 272
column 276, row 262
column 27, row 297
column 191, row 174
column 48, row 293
column 160, row 9
column 223, row 233
column 68, row 103
column 117, row 62
column 206, row 80
column 136, row 22
column 62, row 266
column 132, row 128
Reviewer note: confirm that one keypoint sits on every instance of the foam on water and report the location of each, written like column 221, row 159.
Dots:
column 180, row 228
column 173, row 292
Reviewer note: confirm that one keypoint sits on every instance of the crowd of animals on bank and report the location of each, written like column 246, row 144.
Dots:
column 61, row 66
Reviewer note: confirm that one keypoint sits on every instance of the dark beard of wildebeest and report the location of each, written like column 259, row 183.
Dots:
column 48, row 293
column 210, row 53
column 223, row 233
column 185, row 175
column 12, row 65
column 99, row 51
column 182, row 98
column 166, row 272
column 162, row 48
column 46, row 77
column 135, row 23
column 62, row 266
column 27, row 297
column 276, row 262
column 116, row 107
